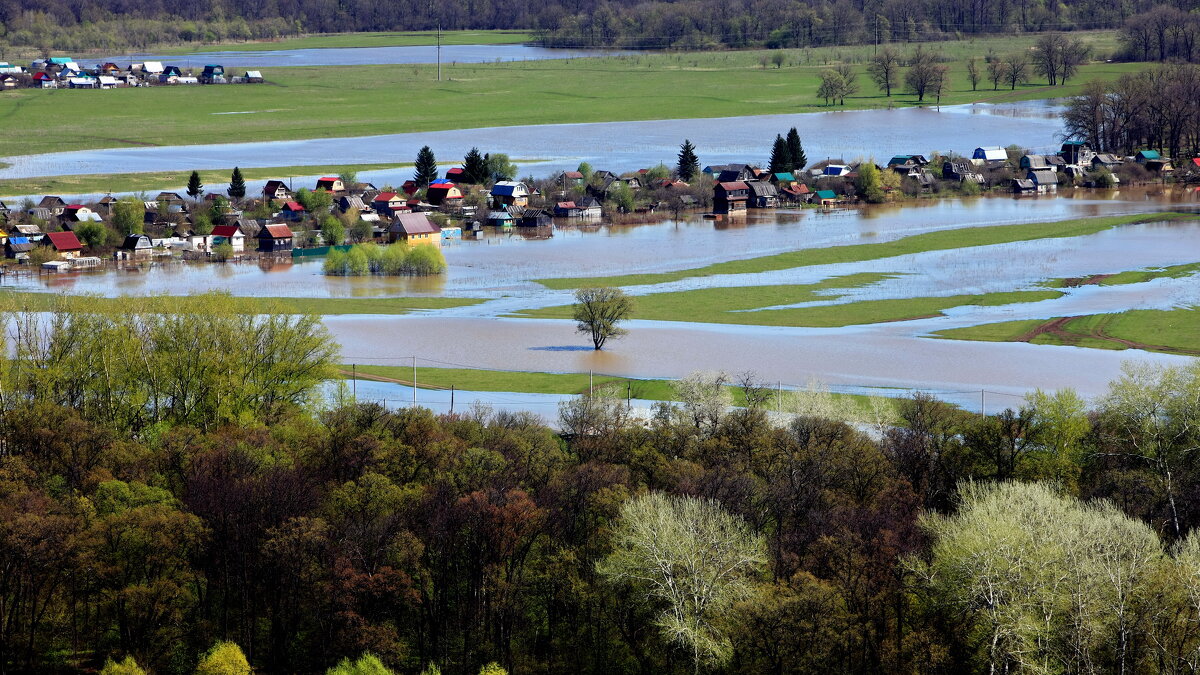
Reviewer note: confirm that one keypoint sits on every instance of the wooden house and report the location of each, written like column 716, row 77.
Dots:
column 44, row 80
column 414, row 228
column 66, row 244
column 293, row 211
column 535, row 218
column 1046, row 180
column 796, row 193
column 274, row 237
column 331, row 184
column 54, row 203
column 730, row 197
column 1023, row 186
column 825, row 197
column 213, row 74
column 567, row 210
column 277, row 190
column 387, row 203
column 761, row 195
column 961, row 171
column 137, row 245
column 18, row 248
column 78, row 213
column 501, row 219
column 1153, row 161
column 992, row 153
column 352, row 202
column 444, row 194
column 570, row 179
column 455, row 174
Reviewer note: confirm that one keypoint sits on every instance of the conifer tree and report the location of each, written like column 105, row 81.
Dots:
column 475, row 169
column 237, row 185
column 781, row 159
column 689, row 164
column 426, row 167
column 195, row 188
column 796, row 151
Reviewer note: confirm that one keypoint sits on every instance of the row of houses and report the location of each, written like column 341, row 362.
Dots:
column 65, row 73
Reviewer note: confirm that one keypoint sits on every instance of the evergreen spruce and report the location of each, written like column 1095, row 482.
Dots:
column 475, row 168
column 426, row 168
column 237, row 185
column 195, row 188
column 689, row 164
column 796, row 151
column 781, row 159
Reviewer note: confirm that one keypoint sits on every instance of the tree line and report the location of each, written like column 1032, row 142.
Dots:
column 1151, row 109
column 148, row 513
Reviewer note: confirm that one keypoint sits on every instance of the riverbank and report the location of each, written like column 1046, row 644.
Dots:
column 18, row 300
column 351, row 101
column 1174, row 331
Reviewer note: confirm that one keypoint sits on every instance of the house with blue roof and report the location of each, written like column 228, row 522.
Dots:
column 509, row 193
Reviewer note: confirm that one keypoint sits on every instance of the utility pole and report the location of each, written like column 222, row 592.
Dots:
column 779, row 397
column 982, row 409
column 439, row 51
column 876, row 33
column 414, row 382
column 451, row 399
column 354, row 381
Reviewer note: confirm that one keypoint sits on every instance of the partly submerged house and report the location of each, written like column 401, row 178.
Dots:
column 414, row 228
column 229, row 234
column 274, row 237
column 730, row 197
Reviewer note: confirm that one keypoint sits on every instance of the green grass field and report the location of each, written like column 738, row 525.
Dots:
column 345, row 40
column 165, row 180
column 741, row 305
column 324, row 102
column 322, row 306
column 1172, row 331
column 931, row 241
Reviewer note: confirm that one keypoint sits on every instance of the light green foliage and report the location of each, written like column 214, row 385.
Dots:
column 492, row 668
column 225, row 658
column 349, row 176
column 91, row 234
column 500, row 167
column 202, row 223
column 126, row 667
column 815, row 400
column 332, row 231
column 205, row 362
column 870, row 186
column 587, row 171
column 391, row 260
column 222, row 251
column 1050, row 583
column 314, row 201
column 599, row 310
column 1061, row 420
column 693, row 560
column 127, row 216
column 704, row 397
column 367, row 664
column 432, row 669
column 622, row 195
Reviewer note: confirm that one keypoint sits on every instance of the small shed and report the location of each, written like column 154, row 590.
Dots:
column 274, row 237
column 501, row 219
column 230, row 234
column 825, row 197
column 535, row 218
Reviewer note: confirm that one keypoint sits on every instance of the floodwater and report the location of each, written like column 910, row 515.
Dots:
column 363, row 56
column 616, row 146
column 504, row 266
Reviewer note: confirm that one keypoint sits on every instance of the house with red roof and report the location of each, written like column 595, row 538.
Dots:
column 444, row 194
column 454, row 174
column 332, row 185
column 229, row 234
column 65, row 244
column 387, row 203
column 274, row 237
column 730, row 197
column 44, row 80
column 292, row 211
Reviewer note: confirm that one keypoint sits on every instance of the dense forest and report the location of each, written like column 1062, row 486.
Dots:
column 170, row 480
column 690, row 24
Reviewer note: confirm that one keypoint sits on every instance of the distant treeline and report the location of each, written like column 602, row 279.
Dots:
column 1153, row 109
column 75, row 25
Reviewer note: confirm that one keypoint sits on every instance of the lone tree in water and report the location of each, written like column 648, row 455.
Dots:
column 689, row 164
column 598, row 310
column 195, row 188
column 426, row 167
column 237, row 185
column 796, row 150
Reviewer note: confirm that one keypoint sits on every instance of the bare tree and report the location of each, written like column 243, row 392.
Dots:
column 1016, row 70
column 973, row 73
column 923, row 71
column 996, row 72
column 885, row 69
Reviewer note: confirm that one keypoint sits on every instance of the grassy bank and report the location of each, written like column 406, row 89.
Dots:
column 742, row 305
column 1174, row 331
column 323, row 306
column 322, row 102
column 469, row 379
column 931, row 241
column 165, row 180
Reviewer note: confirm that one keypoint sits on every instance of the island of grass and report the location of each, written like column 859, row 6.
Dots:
column 34, row 301
column 1173, row 331
column 761, row 305
column 340, row 101
column 392, row 260
column 941, row 240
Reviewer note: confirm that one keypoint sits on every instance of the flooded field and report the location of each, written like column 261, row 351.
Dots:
column 616, row 146
column 361, row 56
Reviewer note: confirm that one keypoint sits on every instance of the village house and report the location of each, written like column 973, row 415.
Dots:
column 137, row 246
column 55, row 204
column 9, row 81
column 65, row 244
column 825, row 197
column 1076, row 153
column 444, row 193
column 993, row 153
column 535, row 218
column 1153, row 161
column 293, row 211
column 414, row 228
column 388, row 203
column 277, row 190
column 567, row 210
column 18, row 247
column 331, row 184
column 961, row 171
column 568, row 179
column 509, row 193
column 1106, row 160
column 78, row 213
column 213, row 74
column 44, row 80
column 761, row 195
column 274, row 237
column 455, row 174
column 347, row 203
column 1023, row 186
column 1046, row 180
column 230, row 234
column 730, row 197
column 501, row 219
